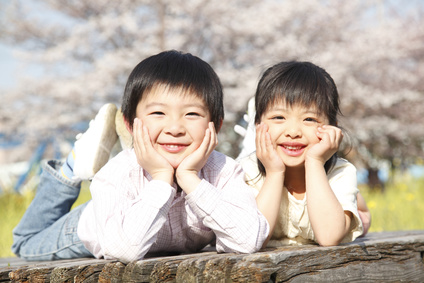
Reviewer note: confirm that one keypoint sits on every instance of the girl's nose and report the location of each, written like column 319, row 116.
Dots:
column 293, row 130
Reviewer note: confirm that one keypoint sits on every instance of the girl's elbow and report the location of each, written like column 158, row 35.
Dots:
column 329, row 243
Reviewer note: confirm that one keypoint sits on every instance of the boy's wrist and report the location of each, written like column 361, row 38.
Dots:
column 167, row 177
column 188, row 181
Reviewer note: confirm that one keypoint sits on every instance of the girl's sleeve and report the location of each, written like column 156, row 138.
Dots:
column 229, row 209
column 343, row 181
column 127, row 224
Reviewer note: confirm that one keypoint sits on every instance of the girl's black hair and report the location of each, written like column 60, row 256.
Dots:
column 174, row 70
column 298, row 83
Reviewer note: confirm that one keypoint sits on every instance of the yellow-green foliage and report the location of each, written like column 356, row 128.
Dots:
column 12, row 208
column 400, row 207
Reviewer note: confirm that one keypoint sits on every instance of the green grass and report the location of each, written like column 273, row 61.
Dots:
column 12, row 208
column 400, row 207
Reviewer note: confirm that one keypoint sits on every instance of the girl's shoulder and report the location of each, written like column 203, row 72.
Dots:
column 342, row 171
column 342, row 165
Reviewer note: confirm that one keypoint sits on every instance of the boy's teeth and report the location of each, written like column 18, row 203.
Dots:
column 172, row 145
column 292, row 147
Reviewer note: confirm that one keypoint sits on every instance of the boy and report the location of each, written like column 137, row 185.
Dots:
column 170, row 193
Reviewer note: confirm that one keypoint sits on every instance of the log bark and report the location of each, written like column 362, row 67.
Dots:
column 378, row 257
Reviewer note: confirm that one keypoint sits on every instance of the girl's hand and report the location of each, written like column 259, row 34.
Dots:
column 148, row 158
column 330, row 139
column 188, row 169
column 266, row 152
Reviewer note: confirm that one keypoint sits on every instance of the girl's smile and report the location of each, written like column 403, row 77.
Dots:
column 293, row 148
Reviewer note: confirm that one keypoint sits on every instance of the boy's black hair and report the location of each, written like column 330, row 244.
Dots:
column 298, row 83
column 175, row 70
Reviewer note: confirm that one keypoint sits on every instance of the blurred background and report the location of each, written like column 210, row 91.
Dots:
column 61, row 60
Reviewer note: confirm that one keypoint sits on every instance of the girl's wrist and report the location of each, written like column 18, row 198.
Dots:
column 314, row 162
column 275, row 174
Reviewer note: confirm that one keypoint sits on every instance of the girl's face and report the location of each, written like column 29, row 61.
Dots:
column 176, row 121
column 293, row 130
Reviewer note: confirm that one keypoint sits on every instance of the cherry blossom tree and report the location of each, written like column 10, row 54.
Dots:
column 84, row 51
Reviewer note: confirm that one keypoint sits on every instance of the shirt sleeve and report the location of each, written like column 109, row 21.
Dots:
column 229, row 209
column 127, row 224
column 343, row 181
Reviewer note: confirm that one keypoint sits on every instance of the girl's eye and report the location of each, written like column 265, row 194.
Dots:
column 311, row 120
column 277, row 118
column 157, row 113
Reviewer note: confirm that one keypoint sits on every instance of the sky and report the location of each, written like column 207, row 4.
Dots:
column 9, row 64
column 8, row 67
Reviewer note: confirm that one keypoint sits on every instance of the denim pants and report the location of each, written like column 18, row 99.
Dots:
column 48, row 229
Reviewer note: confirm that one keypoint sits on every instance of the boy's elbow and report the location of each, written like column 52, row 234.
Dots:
column 246, row 248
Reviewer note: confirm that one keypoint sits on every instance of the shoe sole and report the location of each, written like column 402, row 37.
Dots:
column 107, row 140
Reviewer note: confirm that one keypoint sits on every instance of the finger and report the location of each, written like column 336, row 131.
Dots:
column 147, row 143
column 259, row 139
column 214, row 137
column 265, row 138
column 137, row 137
column 206, row 144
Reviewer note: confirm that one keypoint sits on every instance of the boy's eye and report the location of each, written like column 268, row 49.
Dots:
column 277, row 118
column 193, row 114
column 157, row 113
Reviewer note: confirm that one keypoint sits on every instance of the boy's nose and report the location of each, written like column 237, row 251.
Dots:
column 175, row 128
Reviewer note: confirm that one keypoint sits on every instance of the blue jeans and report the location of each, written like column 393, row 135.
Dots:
column 48, row 229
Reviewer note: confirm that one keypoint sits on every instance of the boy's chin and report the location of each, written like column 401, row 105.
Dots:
column 174, row 163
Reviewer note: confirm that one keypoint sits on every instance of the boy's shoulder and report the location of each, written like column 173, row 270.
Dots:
column 124, row 161
column 218, row 160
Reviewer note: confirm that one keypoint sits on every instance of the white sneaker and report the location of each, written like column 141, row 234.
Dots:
column 92, row 149
column 248, row 145
column 125, row 137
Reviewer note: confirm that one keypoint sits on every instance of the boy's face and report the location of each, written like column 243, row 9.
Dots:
column 176, row 121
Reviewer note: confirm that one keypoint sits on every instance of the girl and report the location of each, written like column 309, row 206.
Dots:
column 309, row 194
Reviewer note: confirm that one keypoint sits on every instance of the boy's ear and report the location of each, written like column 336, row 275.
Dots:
column 220, row 125
column 128, row 126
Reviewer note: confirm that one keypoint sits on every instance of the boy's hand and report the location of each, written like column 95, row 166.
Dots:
column 148, row 158
column 330, row 139
column 266, row 152
column 188, row 169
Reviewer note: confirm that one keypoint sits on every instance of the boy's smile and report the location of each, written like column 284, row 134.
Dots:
column 176, row 120
column 293, row 131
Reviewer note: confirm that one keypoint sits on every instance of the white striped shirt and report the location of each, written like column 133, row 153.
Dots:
column 131, row 215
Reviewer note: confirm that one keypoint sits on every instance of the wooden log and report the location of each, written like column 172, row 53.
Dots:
column 58, row 271
column 112, row 272
column 378, row 257
column 379, row 260
column 213, row 268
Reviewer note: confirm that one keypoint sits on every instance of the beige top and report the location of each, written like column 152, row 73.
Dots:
column 293, row 225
